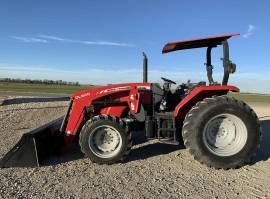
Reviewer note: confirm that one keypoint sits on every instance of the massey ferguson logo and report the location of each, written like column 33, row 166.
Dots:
column 143, row 87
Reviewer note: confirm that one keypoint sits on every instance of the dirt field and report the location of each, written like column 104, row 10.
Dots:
column 153, row 170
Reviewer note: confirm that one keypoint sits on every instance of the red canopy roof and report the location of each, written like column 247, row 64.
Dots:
column 196, row 43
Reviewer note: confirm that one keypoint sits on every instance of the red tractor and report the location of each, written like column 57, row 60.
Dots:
column 218, row 130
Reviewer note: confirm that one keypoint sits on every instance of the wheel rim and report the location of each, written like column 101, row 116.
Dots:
column 225, row 135
column 105, row 141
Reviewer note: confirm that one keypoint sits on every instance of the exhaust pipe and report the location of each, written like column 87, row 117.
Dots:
column 145, row 68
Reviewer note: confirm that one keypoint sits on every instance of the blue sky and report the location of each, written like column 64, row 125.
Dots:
column 102, row 41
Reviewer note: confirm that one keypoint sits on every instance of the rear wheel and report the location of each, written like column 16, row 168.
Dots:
column 105, row 139
column 222, row 132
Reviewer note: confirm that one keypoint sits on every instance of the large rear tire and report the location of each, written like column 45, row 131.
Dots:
column 222, row 132
column 105, row 139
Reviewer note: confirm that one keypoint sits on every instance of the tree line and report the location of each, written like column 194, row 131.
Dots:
column 37, row 81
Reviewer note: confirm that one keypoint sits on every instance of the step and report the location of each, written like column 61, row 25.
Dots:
column 172, row 142
column 167, row 129
column 165, row 115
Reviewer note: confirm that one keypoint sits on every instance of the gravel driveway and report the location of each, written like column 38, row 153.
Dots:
column 153, row 170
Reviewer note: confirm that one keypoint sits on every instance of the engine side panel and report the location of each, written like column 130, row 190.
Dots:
column 198, row 94
column 113, row 110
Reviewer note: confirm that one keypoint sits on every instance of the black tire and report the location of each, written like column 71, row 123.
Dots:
column 110, row 121
column 199, row 117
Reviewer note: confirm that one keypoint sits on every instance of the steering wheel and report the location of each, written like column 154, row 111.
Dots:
column 167, row 80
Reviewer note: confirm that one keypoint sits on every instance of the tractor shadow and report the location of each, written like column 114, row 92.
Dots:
column 145, row 151
column 150, row 149
column 72, row 154
column 264, row 151
column 155, row 149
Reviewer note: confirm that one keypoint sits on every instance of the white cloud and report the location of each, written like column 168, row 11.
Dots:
column 250, row 31
column 106, row 43
column 53, row 38
column 247, row 82
column 30, row 39
column 49, row 38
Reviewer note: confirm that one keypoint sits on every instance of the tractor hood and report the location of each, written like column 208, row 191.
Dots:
column 112, row 88
column 212, row 41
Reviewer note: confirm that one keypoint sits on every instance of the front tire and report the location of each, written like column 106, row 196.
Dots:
column 222, row 132
column 105, row 139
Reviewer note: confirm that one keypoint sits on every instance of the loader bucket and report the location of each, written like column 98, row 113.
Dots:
column 35, row 146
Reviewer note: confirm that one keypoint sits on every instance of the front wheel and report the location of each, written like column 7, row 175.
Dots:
column 222, row 132
column 105, row 139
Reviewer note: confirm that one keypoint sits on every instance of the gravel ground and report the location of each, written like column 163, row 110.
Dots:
column 153, row 170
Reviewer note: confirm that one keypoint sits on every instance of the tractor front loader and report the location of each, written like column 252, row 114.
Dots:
column 218, row 130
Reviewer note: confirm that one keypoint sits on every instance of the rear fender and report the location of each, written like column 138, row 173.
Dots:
column 198, row 94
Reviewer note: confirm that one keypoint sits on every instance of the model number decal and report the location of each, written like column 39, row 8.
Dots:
column 114, row 89
column 82, row 95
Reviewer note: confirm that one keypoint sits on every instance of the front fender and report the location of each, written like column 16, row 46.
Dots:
column 198, row 94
